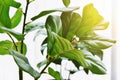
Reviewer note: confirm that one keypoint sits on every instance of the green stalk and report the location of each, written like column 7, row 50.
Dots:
column 23, row 31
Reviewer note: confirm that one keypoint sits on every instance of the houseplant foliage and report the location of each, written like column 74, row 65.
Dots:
column 70, row 36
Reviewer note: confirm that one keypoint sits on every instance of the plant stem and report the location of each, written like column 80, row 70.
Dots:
column 23, row 31
column 13, row 41
column 45, row 67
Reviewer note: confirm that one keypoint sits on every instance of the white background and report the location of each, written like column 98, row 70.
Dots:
column 107, row 8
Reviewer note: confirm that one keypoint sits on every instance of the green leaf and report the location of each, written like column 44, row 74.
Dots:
column 102, row 26
column 43, row 13
column 90, row 19
column 75, row 55
column 4, row 16
column 4, row 11
column 94, row 65
column 23, row 63
column 16, row 18
column 70, row 23
column 32, row 27
column 39, row 65
column 54, row 74
column 54, row 24
column 19, row 47
column 43, row 47
column 4, row 46
column 99, row 43
column 17, row 35
column 66, row 2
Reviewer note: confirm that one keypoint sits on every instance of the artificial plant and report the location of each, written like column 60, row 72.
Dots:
column 70, row 36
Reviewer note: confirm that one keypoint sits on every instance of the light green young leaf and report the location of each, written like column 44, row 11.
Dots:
column 16, row 18
column 66, row 2
column 4, row 46
column 54, row 74
column 90, row 19
column 17, row 35
column 4, row 11
column 23, row 63
column 102, row 26
column 43, row 13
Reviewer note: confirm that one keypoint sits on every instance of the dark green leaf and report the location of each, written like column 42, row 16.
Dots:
column 54, row 24
column 43, row 47
column 4, row 46
column 16, row 18
column 39, row 65
column 75, row 55
column 70, row 23
column 4, row 16
column 86, row 70
column 66, row 2
column 17, row 35
column 43, row 13
column 94, row 65
column 23, row 63
column 54, row 74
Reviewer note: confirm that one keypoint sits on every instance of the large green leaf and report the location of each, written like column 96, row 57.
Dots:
column 75, row 55
column 54, row 74
column 43, row 13
column 15, row 20
column 17, row 35
column 90, row 19
column 23, row 63
column 70, row 24
column 54, row 24
column 94, row 65
column 4, row 46
column 66, row 2
column 4, row 11
column 99, row 43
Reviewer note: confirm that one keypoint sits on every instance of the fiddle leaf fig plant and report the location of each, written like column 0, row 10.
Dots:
column 69, row 35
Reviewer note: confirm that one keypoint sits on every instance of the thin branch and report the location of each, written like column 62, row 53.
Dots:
column 13, row 41
column 45, row 67
column 24, row 23
column 23, row 31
